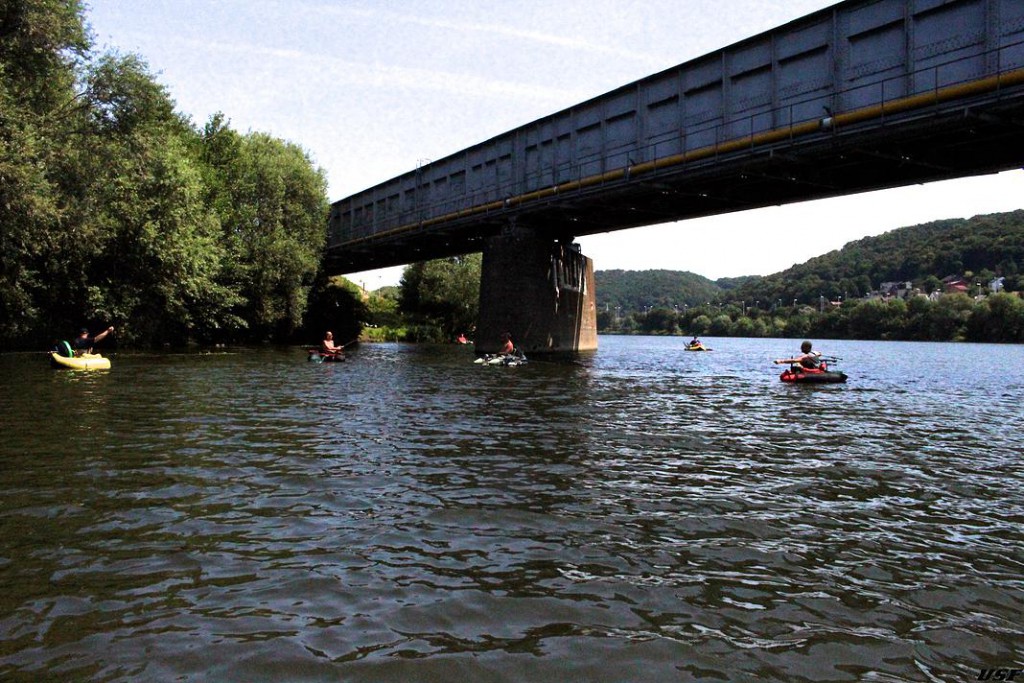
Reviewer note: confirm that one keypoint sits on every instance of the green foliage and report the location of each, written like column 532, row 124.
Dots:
column 997, row 318
column 923, row 254
column 41, row 42
column 631, row 291
column 125, row 99
column 797, row 302
column 660, row 320
column 115, row 209
column 951, row 317
column 382, row 308
column 442, row 297
column 272, row 206
column 335, row 304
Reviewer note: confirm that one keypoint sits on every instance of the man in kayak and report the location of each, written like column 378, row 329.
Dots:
column 695, row 342
column 507, row 346
column 328, row 347
column 807, row 359
column 83, row 342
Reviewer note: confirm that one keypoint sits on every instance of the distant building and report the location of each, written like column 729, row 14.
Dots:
column 996, row 285
column 899, row 290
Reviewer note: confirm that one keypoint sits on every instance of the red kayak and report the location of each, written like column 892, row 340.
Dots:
column 798, row 374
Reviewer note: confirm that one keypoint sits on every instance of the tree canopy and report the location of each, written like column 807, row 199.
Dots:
column 442, row 296
column 117, row 209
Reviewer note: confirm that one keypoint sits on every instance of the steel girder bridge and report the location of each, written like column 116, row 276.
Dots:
column 863, row 95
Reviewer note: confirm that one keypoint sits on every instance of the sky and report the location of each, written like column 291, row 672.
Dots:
column 372, row 89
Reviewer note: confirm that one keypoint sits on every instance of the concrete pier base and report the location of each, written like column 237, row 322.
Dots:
column 538, row 289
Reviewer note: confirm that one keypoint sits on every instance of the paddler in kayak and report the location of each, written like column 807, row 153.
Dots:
column 808, row 359
column 507, row 347
column 83, row 342
column 329, row 348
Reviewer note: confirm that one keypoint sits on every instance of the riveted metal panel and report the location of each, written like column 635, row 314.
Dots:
column 661, row 87
column 752, row 57
column 803, row 39
column 1010, row 35
column 620, row 140
column 949, row 43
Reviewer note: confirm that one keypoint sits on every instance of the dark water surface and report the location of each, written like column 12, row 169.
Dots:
column 643, row 514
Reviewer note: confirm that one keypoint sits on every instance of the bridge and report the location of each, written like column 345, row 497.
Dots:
column 863, row 95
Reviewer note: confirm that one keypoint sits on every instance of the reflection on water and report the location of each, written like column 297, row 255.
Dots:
column 638, row 514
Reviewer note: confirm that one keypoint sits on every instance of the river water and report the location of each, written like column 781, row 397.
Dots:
column 639, row 514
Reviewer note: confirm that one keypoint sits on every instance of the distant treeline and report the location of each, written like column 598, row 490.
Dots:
column 951, row 317
column 836, row 295
column 116, row 209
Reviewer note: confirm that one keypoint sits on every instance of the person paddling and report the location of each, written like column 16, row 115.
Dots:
column 507, row 347
column 808, row 359
column 329, row 348
column 83, row 342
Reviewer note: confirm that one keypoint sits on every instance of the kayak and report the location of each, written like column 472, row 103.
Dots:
column 88, row 361
column 317, row 357
column 504, row 359
column 800, row 375
column 697, row 347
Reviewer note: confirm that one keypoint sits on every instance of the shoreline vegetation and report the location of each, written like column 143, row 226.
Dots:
column 997, row 318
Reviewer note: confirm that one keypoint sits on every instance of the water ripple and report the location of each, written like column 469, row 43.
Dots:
column 410, row 515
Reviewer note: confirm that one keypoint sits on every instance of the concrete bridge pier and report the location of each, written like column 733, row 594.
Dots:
column 539, row 289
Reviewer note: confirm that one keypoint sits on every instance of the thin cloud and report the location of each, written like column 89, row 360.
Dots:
column 387, row 76
column 568, row 42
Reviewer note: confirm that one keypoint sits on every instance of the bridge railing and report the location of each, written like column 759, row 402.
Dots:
column 403, row 209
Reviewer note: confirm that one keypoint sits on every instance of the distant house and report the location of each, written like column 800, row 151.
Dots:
column 996, row 285
column 900, row 290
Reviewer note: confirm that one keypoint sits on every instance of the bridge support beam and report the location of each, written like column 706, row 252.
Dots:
column 538, row 289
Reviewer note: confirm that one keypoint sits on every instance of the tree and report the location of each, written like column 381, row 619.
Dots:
column 114, row 208
column 272, row 205
column 997, row 318
column 41, row 42
column 661, row 320
column 744, row 327
column 382, row 307
column 151, row 251
column 721, row 325
column 443, row 294
column 948, row 318
column 700, row 325
column 335, row 304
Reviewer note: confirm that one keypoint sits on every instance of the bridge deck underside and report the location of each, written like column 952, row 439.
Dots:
column 968, row 138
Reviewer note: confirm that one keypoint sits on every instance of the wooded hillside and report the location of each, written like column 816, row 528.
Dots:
column 976, row 249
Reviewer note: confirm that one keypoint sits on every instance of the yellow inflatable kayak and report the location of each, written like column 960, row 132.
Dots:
column 89, row 361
